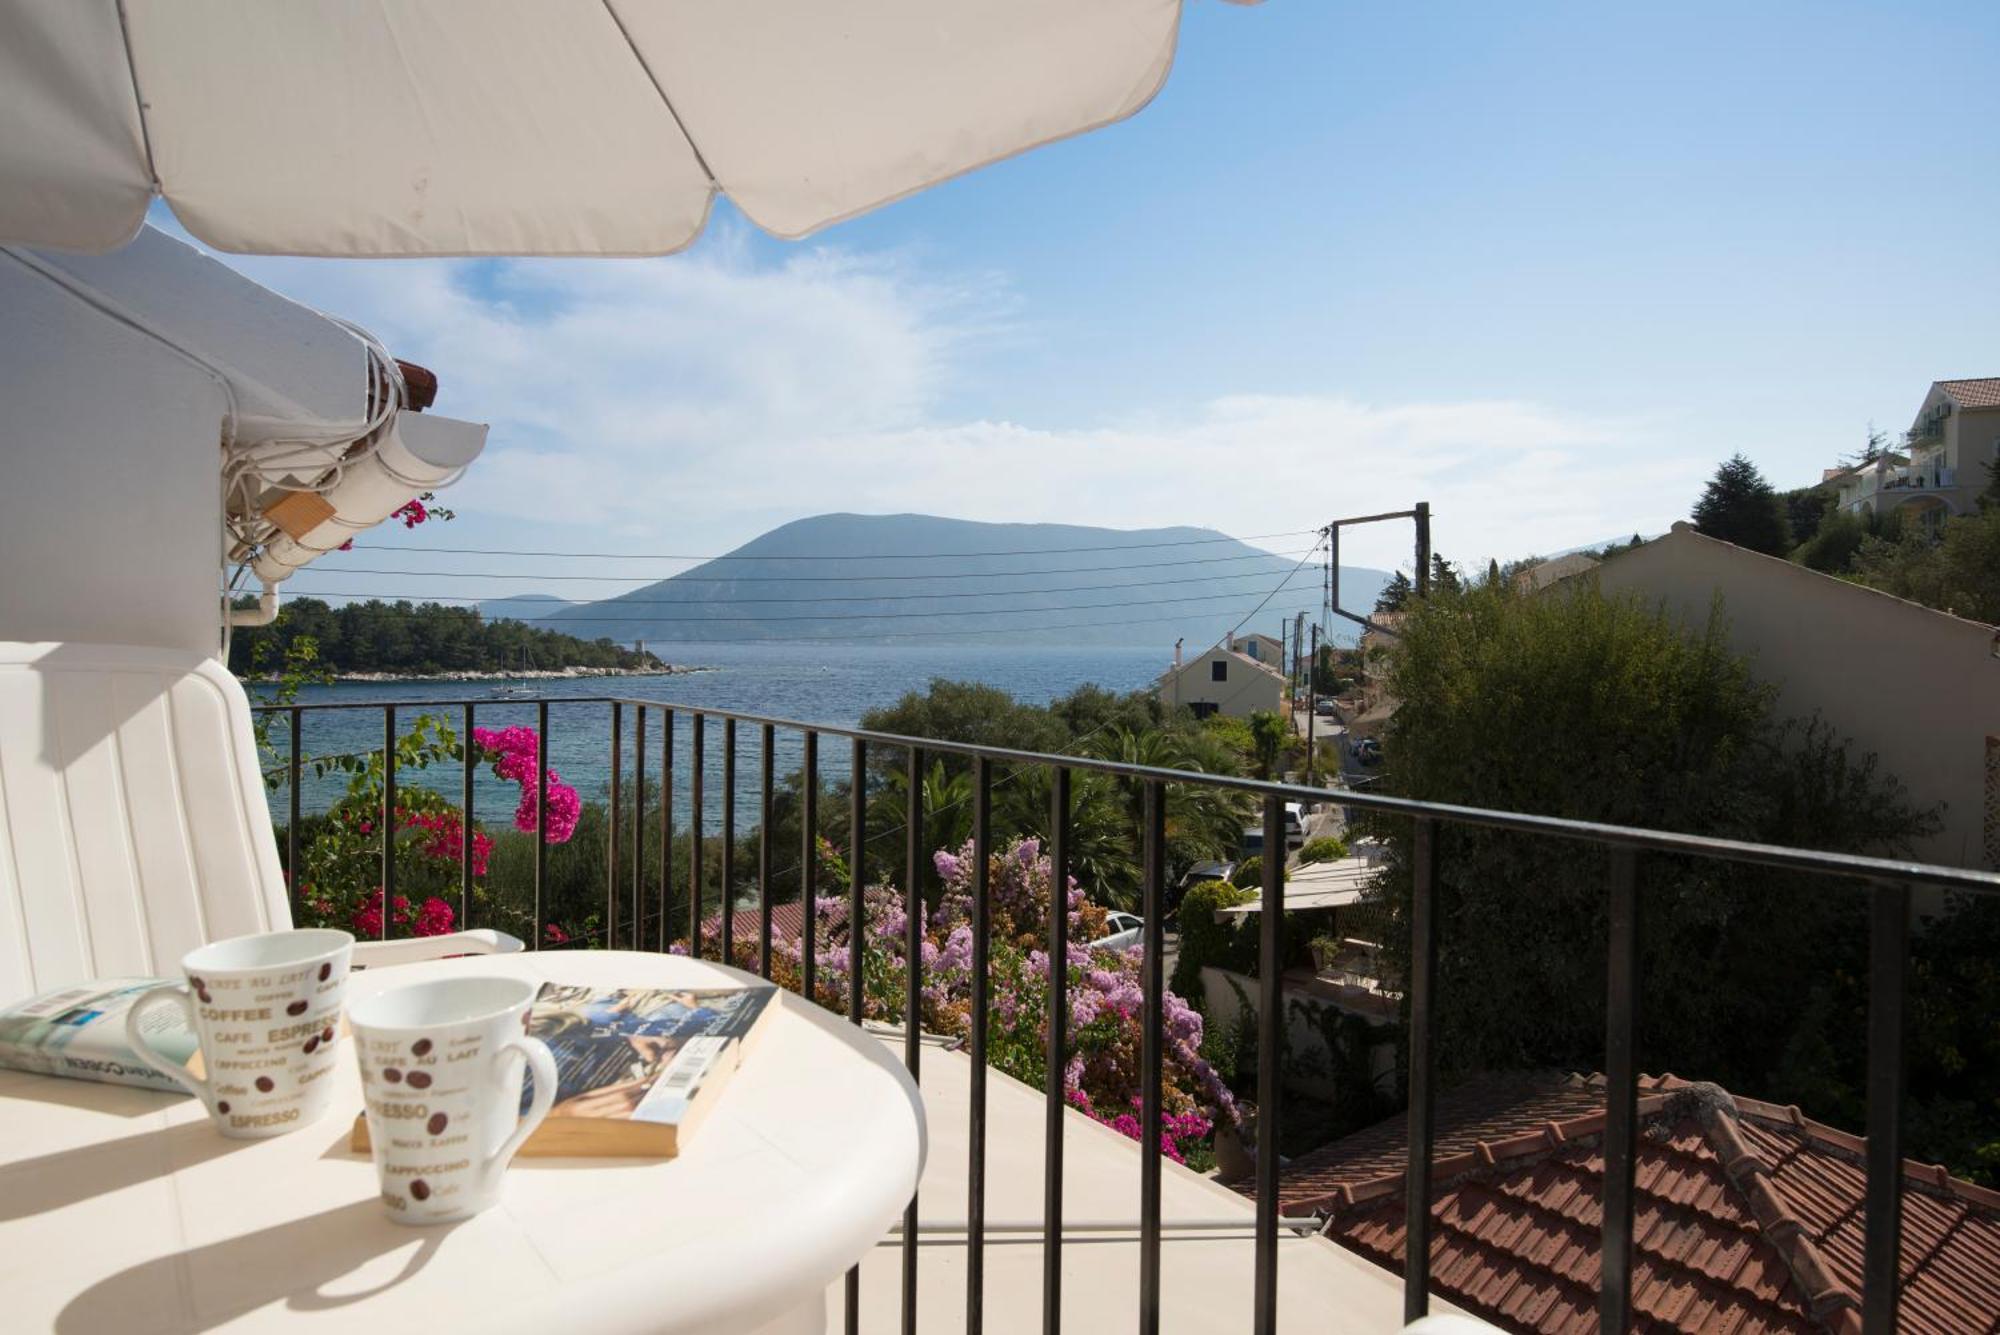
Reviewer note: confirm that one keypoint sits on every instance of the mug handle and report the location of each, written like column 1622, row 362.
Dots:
column 542, row 1065
column 176, row 995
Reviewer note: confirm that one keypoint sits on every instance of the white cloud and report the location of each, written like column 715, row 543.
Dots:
column 708, row 396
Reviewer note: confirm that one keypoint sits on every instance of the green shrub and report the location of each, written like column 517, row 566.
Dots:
column 1204, row 940
column 1328, row 848
column 1605, row 709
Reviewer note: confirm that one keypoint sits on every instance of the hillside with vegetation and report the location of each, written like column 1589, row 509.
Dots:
column 1953, row 566
column 417, row 640
column 925, row 579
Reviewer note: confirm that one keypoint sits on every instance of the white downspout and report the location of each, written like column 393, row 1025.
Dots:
column 263, row 614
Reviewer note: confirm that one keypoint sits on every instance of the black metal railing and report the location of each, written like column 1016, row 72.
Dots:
column 1889, row 882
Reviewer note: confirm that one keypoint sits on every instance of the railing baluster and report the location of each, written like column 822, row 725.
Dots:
column 764, row 853
column 857, row 877
column 541, row 821
column 975, row 1173
column 728, row 841
column 1888, row 981
column 1621, row 1091
column 1417, row 1174
column 637, row 938
column 292, row 797
column 697, row 730
column 913, row 994
column 468, row 752
column 611, row 833
column 388, row 817
column 666, row 827
column 1058, row 1053
column 809, row 869
column 1152, row 1013
column 1270, row 1029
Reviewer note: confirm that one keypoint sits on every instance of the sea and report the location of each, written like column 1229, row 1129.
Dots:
column 814, row 683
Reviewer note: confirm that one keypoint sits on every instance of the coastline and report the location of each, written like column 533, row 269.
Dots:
column 510, row 674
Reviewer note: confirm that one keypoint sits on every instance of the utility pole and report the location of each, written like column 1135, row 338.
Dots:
column 1423, row 518
column 1312, row 706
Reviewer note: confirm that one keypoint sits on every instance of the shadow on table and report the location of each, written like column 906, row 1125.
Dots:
column 91, row 1095
column 52, row 1181
column 299, row 1263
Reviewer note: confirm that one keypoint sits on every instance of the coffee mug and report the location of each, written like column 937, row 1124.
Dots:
column 265, row 1011
column 441, row 1071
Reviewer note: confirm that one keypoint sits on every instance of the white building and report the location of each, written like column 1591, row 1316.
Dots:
column 1223, row 681
column 1264, row 648
column 1953, row 444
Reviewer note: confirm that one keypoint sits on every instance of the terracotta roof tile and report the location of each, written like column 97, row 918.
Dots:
column 1748, row 1216
column 1980, row 393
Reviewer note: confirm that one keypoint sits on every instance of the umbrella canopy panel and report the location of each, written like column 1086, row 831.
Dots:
column 521, row 127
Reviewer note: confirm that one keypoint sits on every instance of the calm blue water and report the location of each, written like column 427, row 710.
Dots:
column 818, row 683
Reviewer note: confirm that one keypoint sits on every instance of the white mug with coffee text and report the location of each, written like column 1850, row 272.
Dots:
column 265, row 1010
column 441, row 1070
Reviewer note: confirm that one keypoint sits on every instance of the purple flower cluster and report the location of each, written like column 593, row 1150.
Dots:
column 1103, row 988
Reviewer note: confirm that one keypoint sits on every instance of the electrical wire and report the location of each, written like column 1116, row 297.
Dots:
column 837, row 556
column 584, row 617
column 626, row 601
column 656, row 578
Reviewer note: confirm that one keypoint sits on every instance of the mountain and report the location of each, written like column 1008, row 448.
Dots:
column 524, row 607
column 921, row 579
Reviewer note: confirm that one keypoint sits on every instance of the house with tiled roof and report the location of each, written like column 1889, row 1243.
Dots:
column 1222, row 681
column 1748, row 1217
column 1954, row 443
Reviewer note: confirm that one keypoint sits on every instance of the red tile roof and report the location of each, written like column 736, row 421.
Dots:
column 1749, row 1216
column 1981, row 393
column 788, row 923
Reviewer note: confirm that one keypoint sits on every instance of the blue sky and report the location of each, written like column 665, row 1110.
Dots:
column 1543, row 264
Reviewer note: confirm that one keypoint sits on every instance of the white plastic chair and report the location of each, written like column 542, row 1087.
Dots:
column 133, row 824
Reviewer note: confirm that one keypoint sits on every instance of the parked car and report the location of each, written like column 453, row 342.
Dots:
column 1368, row 751
column 1295, row 824
column 1323, row 707
column 1124, row 931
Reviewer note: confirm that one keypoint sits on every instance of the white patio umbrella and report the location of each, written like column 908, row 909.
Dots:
column 525, row 127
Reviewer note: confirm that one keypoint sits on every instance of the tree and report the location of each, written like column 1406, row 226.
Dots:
column 1806, row 508
column 1394, row 594
column 1957, row 572
column 1739, row 506
column 1577, row 705
column 1269, row 731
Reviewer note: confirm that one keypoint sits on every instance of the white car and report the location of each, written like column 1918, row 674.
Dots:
column 1124, row 931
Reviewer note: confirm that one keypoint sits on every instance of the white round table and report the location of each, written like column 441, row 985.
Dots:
column 121, row 1210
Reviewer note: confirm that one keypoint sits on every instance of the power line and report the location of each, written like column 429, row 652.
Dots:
column 624, row 601
column 833, row 556
column 789, row 579
column 880, row 616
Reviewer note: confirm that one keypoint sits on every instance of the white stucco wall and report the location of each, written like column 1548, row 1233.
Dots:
column 1248, row 688
column 110, row 489
column 1917, row 687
